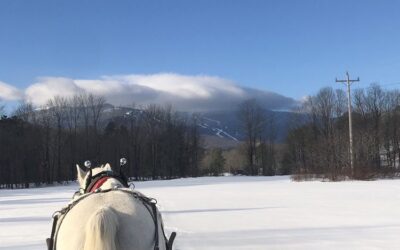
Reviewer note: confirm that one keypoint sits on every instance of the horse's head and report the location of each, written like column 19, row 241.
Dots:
column 84, row 174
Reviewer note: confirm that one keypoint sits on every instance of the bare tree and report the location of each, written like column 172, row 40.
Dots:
column 57, row 107
column 26, row 112
column 157, row 140
column 91, row 108
column 252, row 119
column 73, row 116
column 96, row 104
column 319, row 147
column 375, row 107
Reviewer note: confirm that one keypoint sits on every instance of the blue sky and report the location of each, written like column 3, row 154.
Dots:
column 289, row 47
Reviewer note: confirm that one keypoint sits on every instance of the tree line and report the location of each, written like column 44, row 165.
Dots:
column 319, row 145
column 43, row 145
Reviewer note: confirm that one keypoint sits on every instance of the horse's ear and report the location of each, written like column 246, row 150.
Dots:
column 81, row 173
column 107, row 167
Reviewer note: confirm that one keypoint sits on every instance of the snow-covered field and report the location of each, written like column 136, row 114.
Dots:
column 236, row 213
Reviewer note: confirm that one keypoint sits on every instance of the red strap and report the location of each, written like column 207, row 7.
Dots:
column 99, row 183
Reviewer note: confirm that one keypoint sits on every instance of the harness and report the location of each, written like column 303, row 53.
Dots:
column 95, row 182
column 93, row 188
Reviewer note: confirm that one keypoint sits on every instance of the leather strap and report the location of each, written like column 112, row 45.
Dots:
column 99, row 183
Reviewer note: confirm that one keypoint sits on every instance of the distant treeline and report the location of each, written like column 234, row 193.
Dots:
column 320, row 147
column 43, row 146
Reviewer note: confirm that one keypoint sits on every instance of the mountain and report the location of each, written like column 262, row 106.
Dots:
column 225, row 124
column 217, row 128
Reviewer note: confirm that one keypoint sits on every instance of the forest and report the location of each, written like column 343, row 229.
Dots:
column 42, row 146
column 317, row 143
column 319, row 147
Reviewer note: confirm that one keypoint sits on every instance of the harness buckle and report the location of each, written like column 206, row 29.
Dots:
column 56, row 214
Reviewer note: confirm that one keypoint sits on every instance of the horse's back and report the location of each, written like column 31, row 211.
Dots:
column 135, row 229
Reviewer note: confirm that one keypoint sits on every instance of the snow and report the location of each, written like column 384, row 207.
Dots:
column 236, row 213
column 219, row 133
column 228, row 135
column 202, row 125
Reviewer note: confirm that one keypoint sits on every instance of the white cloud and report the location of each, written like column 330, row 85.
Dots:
column 9, row 93
column 48, row 87
column 184, row 92
column 184, row 86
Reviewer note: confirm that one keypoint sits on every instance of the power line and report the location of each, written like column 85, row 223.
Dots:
column 348, row 83
column 384, row 86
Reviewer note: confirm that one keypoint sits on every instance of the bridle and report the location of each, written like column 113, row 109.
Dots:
column 95, row 182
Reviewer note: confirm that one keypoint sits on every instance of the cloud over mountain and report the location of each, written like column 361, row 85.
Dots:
column 9, row 93
column 183, row 92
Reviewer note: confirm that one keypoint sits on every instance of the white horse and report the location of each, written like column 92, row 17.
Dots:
column 109, row 220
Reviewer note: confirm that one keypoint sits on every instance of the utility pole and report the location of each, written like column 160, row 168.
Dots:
column 349, row 82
